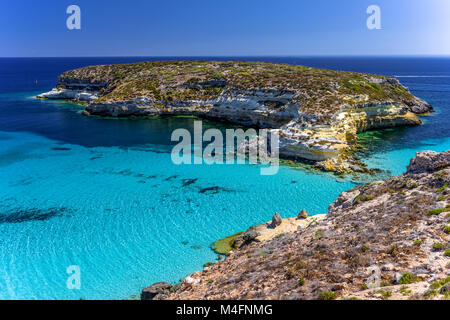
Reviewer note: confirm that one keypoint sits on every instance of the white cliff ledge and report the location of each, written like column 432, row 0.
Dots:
column 69, row 94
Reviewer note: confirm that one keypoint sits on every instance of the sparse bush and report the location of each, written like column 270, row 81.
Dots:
column 447, row 229
column 394, row 250
column 262, row 254
column 408, row 278
column 437, row 211
column 404, row 290
column 328, row 295
column 385, row 294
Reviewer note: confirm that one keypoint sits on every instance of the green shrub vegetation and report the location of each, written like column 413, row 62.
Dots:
column 385, row 294
column 384, row 284
column 328, row 295
column 408, row 278
column 404, row 290
column 447, row 229
column 438, row 246
column 437, row 211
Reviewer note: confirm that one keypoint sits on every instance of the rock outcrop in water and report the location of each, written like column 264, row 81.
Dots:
column 384, row 240
column 317, row 112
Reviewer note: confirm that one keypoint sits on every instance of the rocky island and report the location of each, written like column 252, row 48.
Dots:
column 317, row 112
column 384, row 240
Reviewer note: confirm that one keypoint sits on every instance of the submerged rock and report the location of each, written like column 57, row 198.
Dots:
column 32, row 214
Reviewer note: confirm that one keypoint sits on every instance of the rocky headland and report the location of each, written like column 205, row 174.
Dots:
column 318, row 113
column 383, row 240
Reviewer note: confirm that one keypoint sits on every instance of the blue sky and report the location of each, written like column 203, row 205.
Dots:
column 223, row 28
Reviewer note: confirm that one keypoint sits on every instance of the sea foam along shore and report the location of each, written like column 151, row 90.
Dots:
column 384, row 240
column 317, row 112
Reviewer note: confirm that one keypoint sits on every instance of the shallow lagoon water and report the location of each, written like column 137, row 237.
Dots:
column 104, row 195
column 127, row 216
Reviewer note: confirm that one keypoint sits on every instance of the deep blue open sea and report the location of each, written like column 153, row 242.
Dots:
column 104, row 195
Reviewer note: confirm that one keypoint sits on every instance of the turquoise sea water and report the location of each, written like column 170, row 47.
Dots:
column 104, row 195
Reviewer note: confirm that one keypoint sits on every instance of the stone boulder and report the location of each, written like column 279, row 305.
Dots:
column 276, row 221
column 190, row 282
column 246, row 238
column 250, row 235
column 344, row 201
column 428, row 161
column 157, row 291
column 302, row 214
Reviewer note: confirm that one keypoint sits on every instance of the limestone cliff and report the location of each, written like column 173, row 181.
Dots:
column 385, row 240
column 317, row 112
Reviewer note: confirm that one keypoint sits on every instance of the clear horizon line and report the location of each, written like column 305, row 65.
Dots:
column 233, row 56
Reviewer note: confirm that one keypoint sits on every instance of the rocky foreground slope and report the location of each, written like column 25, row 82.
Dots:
column 384, row 240
column 317, row 112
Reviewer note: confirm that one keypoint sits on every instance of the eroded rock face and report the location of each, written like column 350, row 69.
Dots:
column 383, row 240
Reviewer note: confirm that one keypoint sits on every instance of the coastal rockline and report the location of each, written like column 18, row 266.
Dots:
column 317, row 112
column 383, row 240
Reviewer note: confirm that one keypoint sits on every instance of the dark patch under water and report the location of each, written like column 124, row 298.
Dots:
column 171, row 178
column 130, row 173
column 188, row 182
column 61, row 149
column 22, row 182
column 214, row 190
column 34, row 214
